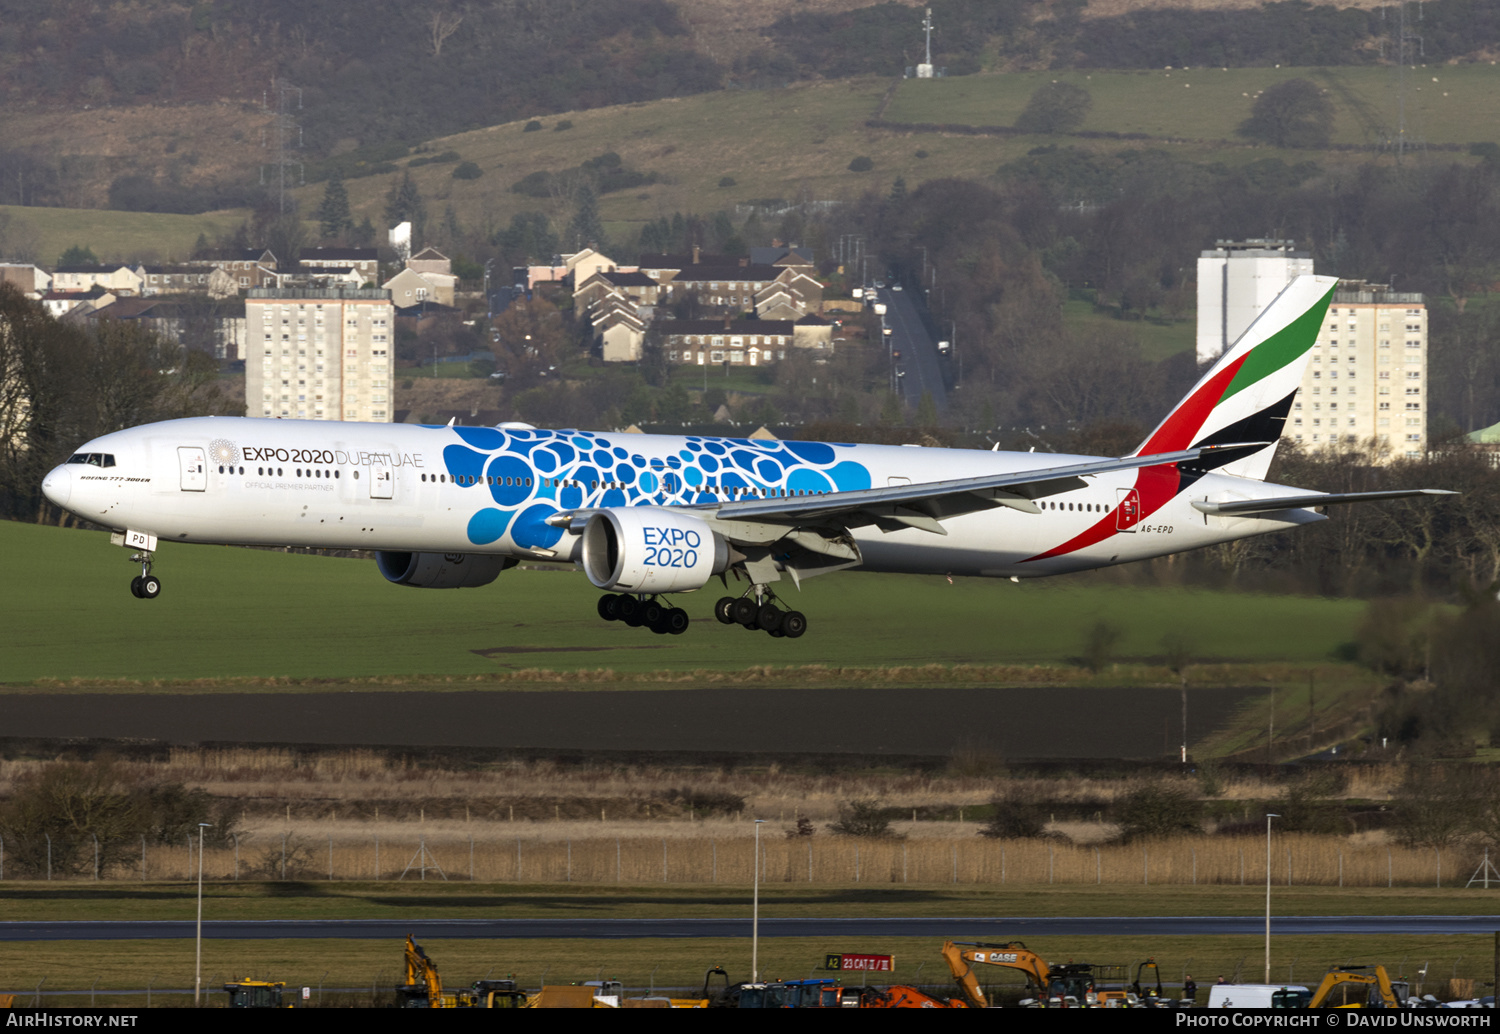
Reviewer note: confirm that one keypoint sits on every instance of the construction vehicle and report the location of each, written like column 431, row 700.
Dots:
column 1381, row 992
column 1150, row 997
column 256, row 994
column 424, row 987
column 904, row 996
column 497, row 994
column 1063, row 985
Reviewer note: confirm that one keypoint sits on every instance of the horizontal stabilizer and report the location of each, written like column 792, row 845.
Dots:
column 1299, row 502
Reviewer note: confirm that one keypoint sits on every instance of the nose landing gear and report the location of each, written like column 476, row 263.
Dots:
column 644, row 611
column 145, row 586
column 758, row 611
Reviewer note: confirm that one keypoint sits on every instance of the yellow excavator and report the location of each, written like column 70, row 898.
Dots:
column 257, row 994
column 1380, row 991
column 424, row 987
column 1060, row 983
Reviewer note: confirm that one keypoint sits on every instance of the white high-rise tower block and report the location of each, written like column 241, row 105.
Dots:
column 1236, row 281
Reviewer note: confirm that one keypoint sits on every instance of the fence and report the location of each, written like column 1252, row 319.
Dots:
column 1295, row 860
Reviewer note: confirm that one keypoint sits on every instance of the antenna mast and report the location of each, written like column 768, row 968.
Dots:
column 284, row 127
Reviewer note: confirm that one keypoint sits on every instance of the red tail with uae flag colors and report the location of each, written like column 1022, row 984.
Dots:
column 1247, row 394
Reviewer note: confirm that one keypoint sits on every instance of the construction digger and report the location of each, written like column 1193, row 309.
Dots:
column 1380, row 991
column 1063, row 985
column 257, row 994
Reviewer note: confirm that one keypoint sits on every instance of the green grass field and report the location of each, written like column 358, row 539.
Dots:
column 119, row 236
column 681, row 962
column 226, row 613
column 1159, row 337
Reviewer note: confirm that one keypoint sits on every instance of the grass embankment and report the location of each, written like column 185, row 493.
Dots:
column 247, row 617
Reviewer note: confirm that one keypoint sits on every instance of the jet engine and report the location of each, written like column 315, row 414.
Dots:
column 441, row 570
column 646, row 549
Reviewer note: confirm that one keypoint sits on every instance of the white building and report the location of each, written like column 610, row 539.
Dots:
column 319, row 353
column 1368, row 375
column 1236, row 281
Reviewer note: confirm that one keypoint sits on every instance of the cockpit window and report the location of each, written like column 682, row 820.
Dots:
column 93, row 459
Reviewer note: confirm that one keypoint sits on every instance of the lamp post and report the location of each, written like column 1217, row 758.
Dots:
column 755, row 912
column 198, row 960
column 1269, row 817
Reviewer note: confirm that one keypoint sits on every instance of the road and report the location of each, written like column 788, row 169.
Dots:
column 980, row 928
column 919, row 355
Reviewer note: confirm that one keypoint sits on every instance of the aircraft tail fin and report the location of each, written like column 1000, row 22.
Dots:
column 1247, row 394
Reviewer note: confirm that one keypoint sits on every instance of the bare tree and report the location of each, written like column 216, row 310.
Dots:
column 442, row 24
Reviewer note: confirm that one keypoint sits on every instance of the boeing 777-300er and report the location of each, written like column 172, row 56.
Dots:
column 651, row 515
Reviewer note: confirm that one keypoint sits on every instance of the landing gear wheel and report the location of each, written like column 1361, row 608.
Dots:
column 745, row 611
column 135, row 586
column 777, row 633
column 724, row 610
column 609, row 607
column 793, row 624
column 150, row 587
column 630, row 611
column 769, row 617
column 676, row 621
column 651, row 613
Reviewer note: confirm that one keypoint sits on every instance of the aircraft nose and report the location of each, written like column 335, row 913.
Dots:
column 58, row 486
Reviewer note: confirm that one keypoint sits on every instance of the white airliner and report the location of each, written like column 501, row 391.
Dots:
column 650, row 515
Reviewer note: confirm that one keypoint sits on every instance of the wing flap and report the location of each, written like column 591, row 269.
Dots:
column 1300, row 502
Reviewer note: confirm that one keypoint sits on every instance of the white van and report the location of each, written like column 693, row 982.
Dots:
column 1258, row 996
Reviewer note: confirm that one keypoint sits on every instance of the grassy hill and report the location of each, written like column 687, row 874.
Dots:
column 113, row 236
column 797, row 143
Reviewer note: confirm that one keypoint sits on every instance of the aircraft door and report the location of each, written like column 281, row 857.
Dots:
column 382, row 481
column 193, row 463
column 1128, row 509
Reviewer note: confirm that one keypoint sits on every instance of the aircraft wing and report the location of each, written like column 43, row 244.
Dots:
column 925, row 505
column 1298, row 502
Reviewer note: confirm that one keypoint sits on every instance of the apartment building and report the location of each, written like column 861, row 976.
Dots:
column 1367, row 378
column 319, row 353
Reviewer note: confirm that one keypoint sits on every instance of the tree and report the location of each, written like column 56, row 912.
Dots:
column 587, row 229
column 1295, row 113
column 404, row 204
column 333, row 213
column 78, row 255
column 1055, row 108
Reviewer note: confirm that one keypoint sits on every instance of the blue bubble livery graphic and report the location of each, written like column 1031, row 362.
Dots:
column 530, row 474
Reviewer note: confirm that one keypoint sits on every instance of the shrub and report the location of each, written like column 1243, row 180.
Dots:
column 1099, row 645
column 862, row 164
column 531, row 127
column 1157, row 812
column 1013, row 816
column 467, row 171
column 862, row 819
column 564, row 124
column 726, row 181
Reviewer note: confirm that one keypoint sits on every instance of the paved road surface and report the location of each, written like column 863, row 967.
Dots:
column 987, row 929
column 919, row 355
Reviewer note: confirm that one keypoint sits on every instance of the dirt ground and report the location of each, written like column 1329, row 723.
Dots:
column 752, row 724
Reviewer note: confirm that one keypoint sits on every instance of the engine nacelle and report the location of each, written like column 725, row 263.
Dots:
column 442, row 570
column 649, row 549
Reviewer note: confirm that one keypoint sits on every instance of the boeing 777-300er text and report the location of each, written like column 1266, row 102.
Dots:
column 651, row 515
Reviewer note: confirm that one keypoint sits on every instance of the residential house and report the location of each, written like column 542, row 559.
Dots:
column 119, row 280
column 32, row 281
column 365, row 261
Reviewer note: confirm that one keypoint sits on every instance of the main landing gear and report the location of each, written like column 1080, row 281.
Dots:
column 759, row 612
column 644, row 612
column 145, row 586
